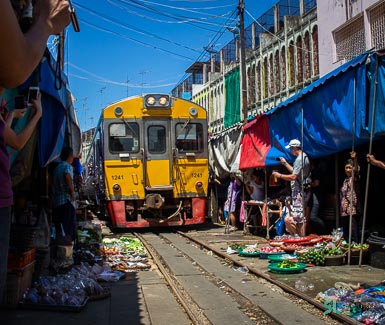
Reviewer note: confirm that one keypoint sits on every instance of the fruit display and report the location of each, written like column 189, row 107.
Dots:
column 269, row 250
column 291, row 247
column 250, row 249
column 125, row 254
column 287, row 264
column 317, row 255
column 313, row 256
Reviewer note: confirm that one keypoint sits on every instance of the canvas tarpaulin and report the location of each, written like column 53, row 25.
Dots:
column 233, row 101
column 326, row 108
column 223, row 150
column 255, row 143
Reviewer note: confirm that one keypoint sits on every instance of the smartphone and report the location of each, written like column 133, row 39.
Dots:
column 19, row 102
column 32, row 94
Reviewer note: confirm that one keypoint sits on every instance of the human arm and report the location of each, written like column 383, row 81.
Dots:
column 17, row 141
column 21, row 53
column 70, row 184
column 372, row 160
column 286, row 164
column 285, row 177
column 15, row 113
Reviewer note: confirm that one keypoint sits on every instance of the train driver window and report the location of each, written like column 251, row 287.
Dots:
column 189, row 137
column 156, row 139
column 123, row 137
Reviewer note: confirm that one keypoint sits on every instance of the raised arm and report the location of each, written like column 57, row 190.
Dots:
column 20, row 52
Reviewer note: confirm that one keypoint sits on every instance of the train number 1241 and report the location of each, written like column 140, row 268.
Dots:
column 116, row 177
column 196, row 175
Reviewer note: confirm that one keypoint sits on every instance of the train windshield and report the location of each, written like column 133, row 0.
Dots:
column 156, row 139
column 124, row 137
column 189, row 137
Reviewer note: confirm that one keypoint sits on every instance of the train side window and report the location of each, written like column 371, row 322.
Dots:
column 156, row 135
column 123, row 137
column 189, row 137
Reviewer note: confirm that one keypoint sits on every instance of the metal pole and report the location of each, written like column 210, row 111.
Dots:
column 302, row 174
column 370, row 152
column 242, row 59
column 353, row 169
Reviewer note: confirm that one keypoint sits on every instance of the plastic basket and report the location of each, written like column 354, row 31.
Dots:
column 18, row 281
column 18, row 260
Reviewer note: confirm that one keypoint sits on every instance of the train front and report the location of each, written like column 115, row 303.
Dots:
column 155, row 162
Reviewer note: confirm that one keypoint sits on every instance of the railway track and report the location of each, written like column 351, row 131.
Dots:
column 214, row 288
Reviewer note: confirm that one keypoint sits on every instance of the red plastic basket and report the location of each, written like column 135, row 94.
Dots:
column 17, row 260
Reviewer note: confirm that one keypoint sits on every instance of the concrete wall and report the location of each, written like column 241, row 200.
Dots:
column 331, row 15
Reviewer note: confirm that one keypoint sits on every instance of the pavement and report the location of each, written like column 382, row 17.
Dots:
column 134, row 299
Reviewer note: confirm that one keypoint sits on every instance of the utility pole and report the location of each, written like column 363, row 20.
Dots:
column 242, row 58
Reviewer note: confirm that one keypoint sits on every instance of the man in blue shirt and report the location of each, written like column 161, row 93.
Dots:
column 64, row 196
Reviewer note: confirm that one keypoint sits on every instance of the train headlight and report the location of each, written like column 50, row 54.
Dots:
column 150, row 101
column 198, row 185
column 118, row 111
column 116, row 187
column 193, row 111
column 163, row 101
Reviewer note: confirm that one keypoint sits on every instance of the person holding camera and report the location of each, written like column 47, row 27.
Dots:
column 20, row 55
column 299, row 176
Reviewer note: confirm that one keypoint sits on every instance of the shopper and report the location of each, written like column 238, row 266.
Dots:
column 349, row 198
column 299, row 176
column 64, row 215
column 233, row 200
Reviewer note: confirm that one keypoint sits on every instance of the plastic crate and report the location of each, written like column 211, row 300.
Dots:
column 18, row 281
column 18, row 260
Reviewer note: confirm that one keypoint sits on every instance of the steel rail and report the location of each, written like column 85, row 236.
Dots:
column 168, row 279
column 283, row 286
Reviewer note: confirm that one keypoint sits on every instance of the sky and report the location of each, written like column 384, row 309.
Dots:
column 129, row 47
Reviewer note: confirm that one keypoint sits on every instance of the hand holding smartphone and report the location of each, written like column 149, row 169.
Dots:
column 32, row 95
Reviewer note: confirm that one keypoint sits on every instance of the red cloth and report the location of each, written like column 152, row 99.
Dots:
column 255, row 143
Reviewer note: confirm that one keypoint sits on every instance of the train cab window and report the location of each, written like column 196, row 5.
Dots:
column 156, row 135
column 123, row 137
column 189, row 137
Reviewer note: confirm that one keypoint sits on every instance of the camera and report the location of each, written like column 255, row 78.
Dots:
column 32, row 95
column 278, row 159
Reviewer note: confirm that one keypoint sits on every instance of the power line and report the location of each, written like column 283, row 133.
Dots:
column 134, row 40
column 132, row 28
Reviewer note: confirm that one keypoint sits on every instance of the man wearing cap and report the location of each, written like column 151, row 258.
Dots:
column 299, row 174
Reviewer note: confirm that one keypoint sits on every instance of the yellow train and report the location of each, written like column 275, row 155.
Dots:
column 148, row 162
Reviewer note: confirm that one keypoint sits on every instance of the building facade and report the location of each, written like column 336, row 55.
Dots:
column 287, row 48
column 349, row 28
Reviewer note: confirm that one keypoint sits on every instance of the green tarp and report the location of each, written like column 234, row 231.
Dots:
column 233, row 99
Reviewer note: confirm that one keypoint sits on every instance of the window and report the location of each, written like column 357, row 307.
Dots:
column 377, row 26
column 156, row 135
column 350, row 39
column 189, row 137
column 123, row 137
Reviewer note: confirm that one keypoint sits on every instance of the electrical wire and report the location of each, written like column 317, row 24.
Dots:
column 99, row 79
column 135, row 40
column 132, row 28
column 149, row 17
column 193, row 10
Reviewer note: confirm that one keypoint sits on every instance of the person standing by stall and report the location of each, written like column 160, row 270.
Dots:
column 19, row 56
column 64, row 215
column 350, row 198
column 233, row 200
column 299, row 176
